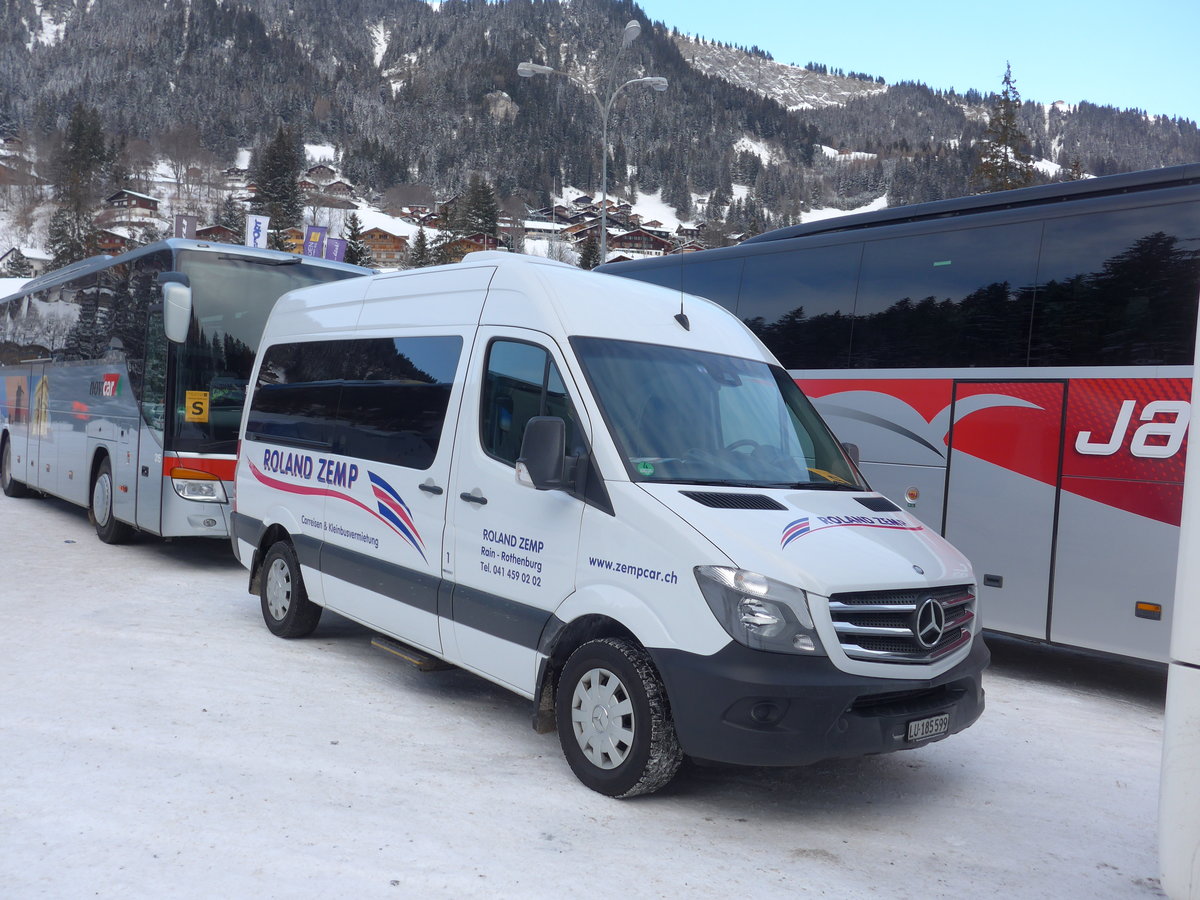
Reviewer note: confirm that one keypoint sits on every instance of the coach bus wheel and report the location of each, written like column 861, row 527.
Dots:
column 285, row 605
column 10, row 485
column 108, row 529
column 613, row 719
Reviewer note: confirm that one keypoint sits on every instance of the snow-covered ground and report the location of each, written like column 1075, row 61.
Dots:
column 159, row 742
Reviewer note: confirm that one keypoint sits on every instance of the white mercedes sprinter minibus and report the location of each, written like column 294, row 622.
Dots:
column 608, row 498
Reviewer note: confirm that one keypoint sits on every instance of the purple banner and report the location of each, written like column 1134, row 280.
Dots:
column 335, row 249
column 314, row 240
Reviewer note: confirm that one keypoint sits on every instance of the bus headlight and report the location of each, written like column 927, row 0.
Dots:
column 192, row 484
column 760, row 612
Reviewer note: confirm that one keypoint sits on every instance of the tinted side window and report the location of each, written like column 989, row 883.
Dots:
column 800, row 303
column 665, row 273
column 394, row 398
column 717, row 279
column 296, row 396
column 1119, row 288
column 522, row 381
column 88, row 312
column 951, row 298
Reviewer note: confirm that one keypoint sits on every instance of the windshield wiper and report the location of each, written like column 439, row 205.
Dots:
column 826, row 486
column 726, row 482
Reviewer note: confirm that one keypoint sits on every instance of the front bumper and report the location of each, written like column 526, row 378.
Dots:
column 752, row 708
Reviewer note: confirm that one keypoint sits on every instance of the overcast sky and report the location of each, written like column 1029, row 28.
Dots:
column 1140, row 55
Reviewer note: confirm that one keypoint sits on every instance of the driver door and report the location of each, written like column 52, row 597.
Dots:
column 514, row 548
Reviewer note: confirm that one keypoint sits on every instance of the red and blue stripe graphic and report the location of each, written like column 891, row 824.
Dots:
column 396, row 512
column 393, row 511
column 794, row 530
column 801, row 527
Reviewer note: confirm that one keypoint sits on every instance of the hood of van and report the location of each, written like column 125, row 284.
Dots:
column 822, row 541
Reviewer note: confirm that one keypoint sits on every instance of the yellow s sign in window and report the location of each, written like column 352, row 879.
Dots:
column 196, row 406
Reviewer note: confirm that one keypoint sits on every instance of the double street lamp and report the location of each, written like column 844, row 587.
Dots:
column 529, row 69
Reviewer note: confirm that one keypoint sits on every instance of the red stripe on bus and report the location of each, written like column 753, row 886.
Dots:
column 222, row 468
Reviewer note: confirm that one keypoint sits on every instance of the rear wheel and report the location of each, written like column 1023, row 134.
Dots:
column 614, row 722
column 108, row 529
column 285, row 605
column 10, row 485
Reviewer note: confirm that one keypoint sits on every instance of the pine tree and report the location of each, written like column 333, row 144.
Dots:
column 276, row 173
column 71, row 236
column 357, row 252
column 18, row 266
column 589, row 256
column 233, row 216
column 1004, row 160
column 77, row 174
column 419, row 254
column 479, row 210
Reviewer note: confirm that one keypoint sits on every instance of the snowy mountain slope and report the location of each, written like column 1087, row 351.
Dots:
column 793, row 87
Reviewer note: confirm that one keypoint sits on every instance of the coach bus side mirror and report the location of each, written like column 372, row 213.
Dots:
column 543, row 453
column 177, row 305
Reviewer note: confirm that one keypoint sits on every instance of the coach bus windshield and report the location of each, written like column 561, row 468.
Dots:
column 690, row 417
column 231, row 299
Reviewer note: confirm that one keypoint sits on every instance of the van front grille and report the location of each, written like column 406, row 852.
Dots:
column 907, row 626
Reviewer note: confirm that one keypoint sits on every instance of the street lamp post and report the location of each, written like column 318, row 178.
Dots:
column 529, row 69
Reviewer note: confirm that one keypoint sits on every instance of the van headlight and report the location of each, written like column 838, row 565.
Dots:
column 758, row 611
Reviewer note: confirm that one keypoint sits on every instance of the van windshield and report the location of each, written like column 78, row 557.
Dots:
column 691, row 417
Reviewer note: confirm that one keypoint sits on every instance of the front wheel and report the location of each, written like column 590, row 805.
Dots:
column 10, row 485
column 108, row 529
column 285, row 605
column 614, row 722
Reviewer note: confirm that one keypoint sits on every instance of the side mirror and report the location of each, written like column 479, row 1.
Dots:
column 177, row 305
column 543, row 456
column 852, row 452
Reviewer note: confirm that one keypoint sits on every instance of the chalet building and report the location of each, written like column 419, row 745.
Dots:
column 39, row 262
column 17, row 175
column 581, row 231
column 338, row 189
column 130, row 210
column 484, row 241
column 472, row 243
column 640, row 242
column 218, row 234
column 320, row 173
column 542, row 228
column 124, row 199
column 113, row 241
column 445, row 208
column 387, row 249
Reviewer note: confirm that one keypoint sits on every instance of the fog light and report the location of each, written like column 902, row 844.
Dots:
column 765, row 713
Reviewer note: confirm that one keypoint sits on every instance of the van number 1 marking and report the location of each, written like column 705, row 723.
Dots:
column 1172, row 431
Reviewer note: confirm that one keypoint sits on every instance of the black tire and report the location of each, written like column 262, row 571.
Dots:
column 100, row 510
column 625, row 745
column 10, row 485
column 285, row 605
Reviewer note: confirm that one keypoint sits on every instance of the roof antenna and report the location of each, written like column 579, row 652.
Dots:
column 681, row 316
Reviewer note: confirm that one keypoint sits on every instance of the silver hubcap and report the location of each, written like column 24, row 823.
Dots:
column 102, row 500
column 279, row 589
column 602, row 718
